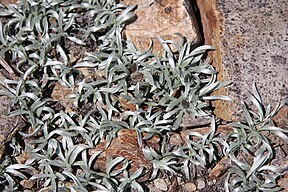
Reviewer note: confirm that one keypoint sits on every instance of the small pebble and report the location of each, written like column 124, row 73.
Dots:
column 179, row 180
column 210, row 183
column 27, row 184
column 160, row 184
column 175, row 139
column 151, row 187
column 200, row 184
column 190, row 187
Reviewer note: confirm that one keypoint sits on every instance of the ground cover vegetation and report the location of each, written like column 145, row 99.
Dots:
column 45, row 43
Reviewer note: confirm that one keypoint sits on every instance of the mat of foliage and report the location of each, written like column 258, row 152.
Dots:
column 48, row 43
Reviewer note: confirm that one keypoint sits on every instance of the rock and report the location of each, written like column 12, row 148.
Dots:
column 220, row 168
column 152, row 188
column 60, row 94
column 189, row 122
column 190, row 187
column 27, row 184
column 160, row 18
column 91, row 73
column 160, row 184
column 179, row 180
column 281, row 118
column 251, row 41
column 125, row 145
column 173, row 185
column 8, row 2
column 210, row 183
column 200, row 184
column 283, row 182
column 176, row 139
column 22, row 158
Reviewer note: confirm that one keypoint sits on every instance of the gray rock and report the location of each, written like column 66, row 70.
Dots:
column 252, row 42
column 200, row 184
column 160, row 184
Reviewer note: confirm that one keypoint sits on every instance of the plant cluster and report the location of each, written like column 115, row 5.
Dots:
column 249, row 148
column 134, row 90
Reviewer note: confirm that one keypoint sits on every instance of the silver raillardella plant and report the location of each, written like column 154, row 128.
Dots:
column 134, row 89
